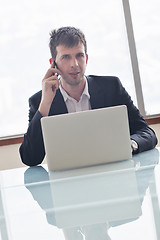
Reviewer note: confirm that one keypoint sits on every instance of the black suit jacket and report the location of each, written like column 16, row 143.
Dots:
column 104, row 92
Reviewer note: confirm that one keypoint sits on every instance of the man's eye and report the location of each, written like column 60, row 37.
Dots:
column 66, row 57
column 80, row 55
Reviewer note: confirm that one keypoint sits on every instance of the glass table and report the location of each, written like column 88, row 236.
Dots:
column 111, row 201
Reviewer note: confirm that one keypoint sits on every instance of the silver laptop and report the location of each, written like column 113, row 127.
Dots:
column 86, row 138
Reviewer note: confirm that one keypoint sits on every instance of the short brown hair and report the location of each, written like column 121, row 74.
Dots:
column 67, row 36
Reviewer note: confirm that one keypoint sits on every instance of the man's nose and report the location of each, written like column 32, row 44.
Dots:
column 74, row 62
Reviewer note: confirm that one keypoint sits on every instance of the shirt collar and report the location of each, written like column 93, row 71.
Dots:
column 66, row 96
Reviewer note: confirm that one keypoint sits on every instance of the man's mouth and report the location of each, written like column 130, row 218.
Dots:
column 74, row 74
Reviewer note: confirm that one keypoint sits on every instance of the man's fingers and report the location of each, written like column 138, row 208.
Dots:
column 51, row 78
column 50, row 83
column 51, row 71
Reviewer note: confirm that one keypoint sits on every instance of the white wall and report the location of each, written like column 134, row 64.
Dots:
column 10, row 158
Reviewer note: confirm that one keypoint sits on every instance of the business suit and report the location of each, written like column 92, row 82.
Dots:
column 104, row 92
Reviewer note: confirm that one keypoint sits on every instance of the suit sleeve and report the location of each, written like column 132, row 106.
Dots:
column 32, row 149
column 139, row 129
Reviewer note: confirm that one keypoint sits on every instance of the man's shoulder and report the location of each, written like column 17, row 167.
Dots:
column 36, row 97
column 96, row 78
column 102, row 80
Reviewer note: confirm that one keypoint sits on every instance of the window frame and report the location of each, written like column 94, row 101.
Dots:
column 134, row 58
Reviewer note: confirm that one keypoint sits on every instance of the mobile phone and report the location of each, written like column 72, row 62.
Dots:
column 55, row 65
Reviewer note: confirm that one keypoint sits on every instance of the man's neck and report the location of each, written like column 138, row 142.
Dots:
column 74, row 91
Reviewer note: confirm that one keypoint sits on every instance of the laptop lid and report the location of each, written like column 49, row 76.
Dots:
column 86, row 138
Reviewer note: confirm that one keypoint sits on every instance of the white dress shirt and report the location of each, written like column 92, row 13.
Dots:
column 75, row 106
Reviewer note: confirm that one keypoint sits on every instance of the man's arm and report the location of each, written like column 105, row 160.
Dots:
column 32, row 149
column 50, row 84
column 140, row 132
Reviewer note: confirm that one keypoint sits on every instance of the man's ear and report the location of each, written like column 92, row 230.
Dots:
column 51, row 60
column 86, row 58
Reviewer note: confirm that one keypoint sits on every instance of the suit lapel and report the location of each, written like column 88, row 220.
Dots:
column 58, row 105
column 97, row 99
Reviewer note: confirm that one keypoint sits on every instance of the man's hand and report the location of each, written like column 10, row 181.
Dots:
column 50, row 84
column 134, row 146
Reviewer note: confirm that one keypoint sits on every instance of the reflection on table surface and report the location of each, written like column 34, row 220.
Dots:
column 99, row 202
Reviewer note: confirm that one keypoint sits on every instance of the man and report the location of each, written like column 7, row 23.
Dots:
column 77, row 92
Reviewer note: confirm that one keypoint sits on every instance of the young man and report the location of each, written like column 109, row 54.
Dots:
column 77, row 92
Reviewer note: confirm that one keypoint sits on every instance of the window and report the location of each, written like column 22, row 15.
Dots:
column 24, row 58
column 146, row 21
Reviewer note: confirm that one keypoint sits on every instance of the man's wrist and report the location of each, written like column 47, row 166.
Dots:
column 134, row 146
column 44, row 109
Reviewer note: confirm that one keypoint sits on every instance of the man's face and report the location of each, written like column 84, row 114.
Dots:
column 72, row 63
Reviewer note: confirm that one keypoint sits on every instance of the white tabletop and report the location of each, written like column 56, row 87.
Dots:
column 112, row 201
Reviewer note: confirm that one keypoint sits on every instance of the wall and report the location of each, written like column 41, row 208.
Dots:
column 9, row 155
column 10, row 158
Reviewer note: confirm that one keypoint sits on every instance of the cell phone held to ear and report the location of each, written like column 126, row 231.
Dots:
column 55, row 64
